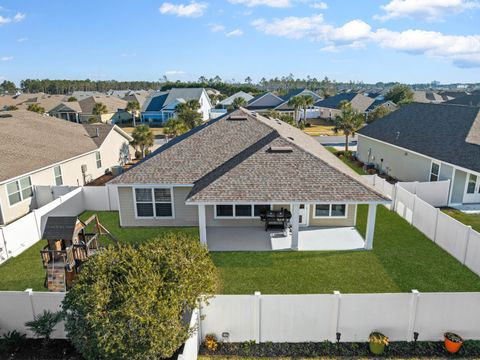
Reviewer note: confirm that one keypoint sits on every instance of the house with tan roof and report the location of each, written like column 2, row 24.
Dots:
column 241, row 175
column 329, row 108
column 40, row 150
column 116, row 112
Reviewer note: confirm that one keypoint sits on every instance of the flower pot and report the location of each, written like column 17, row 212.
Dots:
column 376, row 348
column 452, row 346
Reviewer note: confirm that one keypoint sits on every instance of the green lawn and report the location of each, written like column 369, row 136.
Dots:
column 402, row 259
column 348, row 162
column 468, row 219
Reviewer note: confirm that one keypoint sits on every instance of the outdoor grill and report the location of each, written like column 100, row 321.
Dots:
column 276, row 218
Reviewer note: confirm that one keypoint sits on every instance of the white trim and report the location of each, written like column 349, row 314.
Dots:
column 234, row 216
column 150, row 185
column 283, row 202
column 153, row 202
column 55, row 177
column 330, row 211
column 439, row 163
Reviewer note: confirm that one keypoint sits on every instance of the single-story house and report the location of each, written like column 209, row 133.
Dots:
column 116, row 112
column 426, row 96
column 226, row 103
column 67, row 110
column 222, row 175
column 43, row 150
column 388, row 104
column 471, row 100
column 329, row 108
column 428, row 142
column 160, row 107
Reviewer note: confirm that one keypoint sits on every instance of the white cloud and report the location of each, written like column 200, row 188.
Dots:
column 429, row 9
column 22, row 39
column 236, row 32
column 7, row 20
column 269, row 3
column 217, row 27
column 132, row 54
column 6, row 58
column 175, row 72
column 319, row 5
column 193, row 9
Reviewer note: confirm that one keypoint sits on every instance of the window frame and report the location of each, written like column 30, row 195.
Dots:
column 20, row 190
column 432, row 173
column 469, row 178
column 55, row 176
column 154, row 202
column 234, row 215
column 98, row 159
column 330, row 206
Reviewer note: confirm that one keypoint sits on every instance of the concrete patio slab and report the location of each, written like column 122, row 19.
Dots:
column 257, row 239
column 468, row 208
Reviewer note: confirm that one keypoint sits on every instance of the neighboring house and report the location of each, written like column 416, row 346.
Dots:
column 312, row 111
column 471, row 100
column 115, row 109
column 329, row 108
column 388, row 104
column 43, row 150
column 264, row 102
column 161, row 106
column 227, row 103
column 428, row 142
column 67, row 110
column 232, row 169
column 430, row 97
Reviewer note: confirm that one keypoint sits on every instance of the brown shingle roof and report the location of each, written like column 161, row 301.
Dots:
column 31, row 141
column 112, row 103
column 229, row 160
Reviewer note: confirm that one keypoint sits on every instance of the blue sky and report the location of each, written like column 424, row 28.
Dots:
column 388, row 40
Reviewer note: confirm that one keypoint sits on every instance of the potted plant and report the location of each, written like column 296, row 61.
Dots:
column 377, row 342
column 453, row 342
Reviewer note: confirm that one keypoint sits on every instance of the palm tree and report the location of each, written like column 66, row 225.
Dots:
column 188, row 112
column 296, row 102
column 142, row 138
column 307, row 101
column 174, row 127
column 239, row 102
column 99, row 109
column 36, row 108
column 349, row 122
column 132, row 108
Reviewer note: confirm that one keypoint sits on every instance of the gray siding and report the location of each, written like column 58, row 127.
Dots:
column 458, row 189
column 400, row 164
column 185, row 215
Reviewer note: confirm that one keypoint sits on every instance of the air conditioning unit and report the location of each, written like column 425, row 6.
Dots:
column 84, row 168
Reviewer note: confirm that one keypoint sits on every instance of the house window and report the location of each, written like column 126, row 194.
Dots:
column 434, row 171
column 330, row 211
column 19, row 190
column 98, row 158
column 154, row 202
column 239, row 210
column 57, row 172
column 472, row 183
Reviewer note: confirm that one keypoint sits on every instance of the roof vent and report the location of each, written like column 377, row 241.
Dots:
column 97, row 132
column 237, row 117
column 6, row 115
column 280, row 149
column 291, row 138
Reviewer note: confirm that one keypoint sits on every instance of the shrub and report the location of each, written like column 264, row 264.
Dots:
column 132, row 302
column 42, row 325
column 211, row 342
column 138, row 154
column 13, row 341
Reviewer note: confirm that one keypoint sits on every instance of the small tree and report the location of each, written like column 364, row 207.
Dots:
column 42, row 325
column 132, row 108
column 239, row 102
column 71, row 99
column 400, row 94
column 36, row 108
column 174, row 127
column 142, row 138
column 188, row 112
column 349, row 122
column 130, row 303
column 99, row 109
column 307, row 101
column 378, row 113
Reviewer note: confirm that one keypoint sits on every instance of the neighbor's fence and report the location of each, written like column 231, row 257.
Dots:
column 415, row 203
column 316, row 318
column 26, row 231
column 18, row 307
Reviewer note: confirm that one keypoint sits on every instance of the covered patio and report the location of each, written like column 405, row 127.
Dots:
column 257, row 239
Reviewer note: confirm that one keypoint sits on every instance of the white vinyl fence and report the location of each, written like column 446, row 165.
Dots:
column 26, row 231
column 415, row 202
column 316, row 318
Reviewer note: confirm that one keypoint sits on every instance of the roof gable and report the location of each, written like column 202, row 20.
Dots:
column 265, row 101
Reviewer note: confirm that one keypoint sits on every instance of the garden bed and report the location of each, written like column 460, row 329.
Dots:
column 422, row 349
column 32, row 349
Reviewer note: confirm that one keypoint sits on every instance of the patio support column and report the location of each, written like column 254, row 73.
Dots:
column 295, row 225
column 372, row 214
column 202, row 224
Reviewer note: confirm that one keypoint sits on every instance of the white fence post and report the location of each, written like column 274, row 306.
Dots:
column 413, row 208
column 256, row 316
column 467, row 240
column 336, row 313
column 29, row 292
column 436, row 225
column 5, row 249
column 413, row 315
